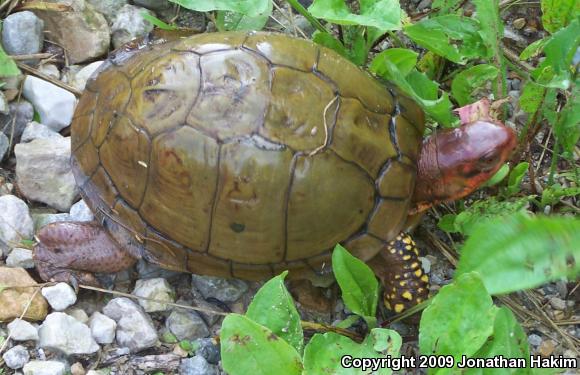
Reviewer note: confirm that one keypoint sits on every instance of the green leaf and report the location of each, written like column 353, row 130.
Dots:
column 491, row 25
column 382, row 14
column 249, row 348
column 234, row 21
column 359, row 286
column 445, row 6
column 328, row 41
column 447, row 223
column 274, row 308
column 534, row 49
column 247, row 7
column 453, row 37
column 567, row 128
column 516, row 176
column 552, row 194
column 459, row 319
column 498, row 176
column 532, row 97
column 157, row 22
column 520, row 251
column 404, row 59
column 557, row 14
column 429, row 64
column 508, row 340
column 466, row 82
column 324, row 352
column 8, row 67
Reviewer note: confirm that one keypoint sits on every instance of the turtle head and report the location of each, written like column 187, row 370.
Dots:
column 455, row 162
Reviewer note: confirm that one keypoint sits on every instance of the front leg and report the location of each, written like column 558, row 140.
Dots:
column 399, row 269
column 73, row 251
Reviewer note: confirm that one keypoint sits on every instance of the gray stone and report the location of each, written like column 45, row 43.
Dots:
column 50, row 70
column 19, row 257
column 66, row 334
column 78, row 314
column 16, row 357
column 424, row 5
column 186, row 325
column 197, row 365
column 79, row 80
column 103, row 328
column 153, row 4
column 59, row 296
column 44, row 173
column 129, row 24
column 135, row 329
column 147, row 270
column 13, row 124
column 4, row 145
column 158, row 289
column 21, row 330
column 515, row 94
column 81, row 212
column 22, row 33
column 109, row 8
column 225, row 290
column 42, row 219
column 208, row 349
column 15, row 221
column 535, row 340
column 54, row 105
column 4, row 109
column 44, row 368
column 558, row 303
column 35, row 130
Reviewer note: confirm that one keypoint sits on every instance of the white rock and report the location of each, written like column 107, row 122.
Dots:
column 129, row 24
column 54, row 105
column 21, row 330
column 16, row 357
column 66, row 334
column 15, row 221
column 44, row 174
column 78, row 314
column 3, row 104
column 50, row 70
column 44, row 368
column 4, row 145
column 158, row 289
column 80, row 79
column 135, row 329
column 22, row 33
column 59, row 296
column 103, row 328
column 35, row 130
column 19, row 257
column 81, row 212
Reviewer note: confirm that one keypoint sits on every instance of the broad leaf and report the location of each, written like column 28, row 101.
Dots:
column 404, row 59
column 382, row 14
column 557, row 14
column 232, row 21
column 7, row 66
column 445, row 6
column 534, row 49
column 567, row 128
column 249, row 348
column 466, row 82
column 520, row 251
column 532, row 97
column 516, row 176
column 274, row 308
column 247, row 7
column 491, row 26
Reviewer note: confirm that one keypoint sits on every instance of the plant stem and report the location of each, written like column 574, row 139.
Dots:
column 303, row 11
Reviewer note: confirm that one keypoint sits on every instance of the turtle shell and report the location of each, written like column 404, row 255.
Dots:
column 244, row 154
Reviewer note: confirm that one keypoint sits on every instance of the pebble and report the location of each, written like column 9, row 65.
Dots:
column 157, row 288
column 103, row 328
column 16, row 357
column 22, row 33
column 15, row 221
column 35, row 130
column 77, row 369
column 108, row 8
column 208, row 349
column 78, row 314
column 197, row 365
column 4, row 109
column 535, row 340
column 44, row 368
column 64, row 333
column 519, row 23
column 424, row 5
column 21, row 330
column 44, row 173
column 80, row 78
column 546, row 348
column 135, row 328
column 129, row 24
column 59, row 296
column 81, row 212
column 186, row 325
column 20, row 113
column 225, row 290
column 4, row 144
column 54, row 105
column 50, row 70
column 558, row 303
column 13, row 300
column 19, row 257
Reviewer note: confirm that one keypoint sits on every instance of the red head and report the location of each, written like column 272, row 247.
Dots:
column 455, row 162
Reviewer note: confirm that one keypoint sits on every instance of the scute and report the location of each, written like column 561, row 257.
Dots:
column 244, row 154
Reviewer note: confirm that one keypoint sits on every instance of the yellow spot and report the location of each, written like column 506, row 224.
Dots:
column 403, row 283
column 394, row 289
column 392, row 296
column 419, row 290
column 418, row 273
column 406, row 275
column 392, row 250
column 408, row 247
column 407, row 240
column 387, row 304
column 397, row 277
column 399, row 307
column 400, row 252
column 414, row 265
column 399, row 238
column 416, row 251
column 419, row 299
column 406, row 257
column 425, row 278
column 407, row 295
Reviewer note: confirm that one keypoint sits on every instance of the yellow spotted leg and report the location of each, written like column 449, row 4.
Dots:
column 399, row 269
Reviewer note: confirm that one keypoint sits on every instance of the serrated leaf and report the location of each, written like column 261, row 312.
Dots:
column 324, row 352
column 8, row 67
column 534, row 49
column 247, row 7
column 249, row 348
column 516, row 176
column 521, row 251
column 453, row 37
column 459, row 319
column 359, row 286
column 557, row 14
column 382, row 14
column 273, row 307
column 466, row 82
column 234, row 21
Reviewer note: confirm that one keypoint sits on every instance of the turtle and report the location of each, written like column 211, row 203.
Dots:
column 243, row 155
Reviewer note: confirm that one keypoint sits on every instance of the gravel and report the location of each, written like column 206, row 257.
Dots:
column 64, row 333
column 16, row 357
column 59, row 296
column 21, row 330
